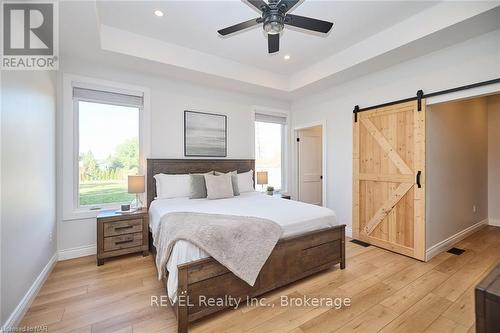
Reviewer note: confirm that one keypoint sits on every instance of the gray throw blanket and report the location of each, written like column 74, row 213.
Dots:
column 242, row 244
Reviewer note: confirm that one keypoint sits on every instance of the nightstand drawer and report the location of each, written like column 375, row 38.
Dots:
column 122, row 227
column 122, row 242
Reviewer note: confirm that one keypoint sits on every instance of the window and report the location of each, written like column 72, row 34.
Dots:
column 108, row 145
column 269, row 148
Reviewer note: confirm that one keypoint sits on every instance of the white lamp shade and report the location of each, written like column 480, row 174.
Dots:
column 262, row 177
column 136, row 184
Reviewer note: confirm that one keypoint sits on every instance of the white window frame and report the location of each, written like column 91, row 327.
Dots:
column 71, row 208
column 285, row 139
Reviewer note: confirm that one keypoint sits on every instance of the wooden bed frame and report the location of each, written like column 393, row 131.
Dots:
column 292, row 259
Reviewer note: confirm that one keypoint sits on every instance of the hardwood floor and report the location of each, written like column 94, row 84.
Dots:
column 389, row 293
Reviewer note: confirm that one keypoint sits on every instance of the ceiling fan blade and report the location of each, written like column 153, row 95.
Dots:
column 308, row 23
column 239, row 26
column 273, row 43
column 288, row 4
column 259, row 4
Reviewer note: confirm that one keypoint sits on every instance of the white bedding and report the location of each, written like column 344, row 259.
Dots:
column 294, row 217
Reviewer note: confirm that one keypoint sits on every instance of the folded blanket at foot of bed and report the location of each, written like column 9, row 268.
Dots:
column 242, row 244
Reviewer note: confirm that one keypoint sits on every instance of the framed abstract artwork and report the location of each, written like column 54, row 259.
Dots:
column 205, row 134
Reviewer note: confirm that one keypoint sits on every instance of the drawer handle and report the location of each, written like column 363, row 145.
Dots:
column 122, row 228
column 124, row 242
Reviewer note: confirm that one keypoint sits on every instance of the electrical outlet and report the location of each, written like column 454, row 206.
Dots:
column 50, row 237
column 474, row 209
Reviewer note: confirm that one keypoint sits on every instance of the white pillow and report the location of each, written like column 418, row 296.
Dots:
column 245, row 182
column 219, row 187
column 172, row 186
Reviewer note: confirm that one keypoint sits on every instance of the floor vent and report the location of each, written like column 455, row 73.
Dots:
column 355, row 241
column 456, row 251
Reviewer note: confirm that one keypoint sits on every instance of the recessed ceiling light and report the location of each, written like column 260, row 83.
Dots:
column 158, row 13
column 286, row 57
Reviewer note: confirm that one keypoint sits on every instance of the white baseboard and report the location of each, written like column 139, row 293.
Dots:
column 448, row 243
column 494, row 222
column 23, row 306
column 77, row 252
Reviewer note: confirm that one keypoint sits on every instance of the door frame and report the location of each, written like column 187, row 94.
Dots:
column 480, row 91
column 295, row 159
column 477, row 92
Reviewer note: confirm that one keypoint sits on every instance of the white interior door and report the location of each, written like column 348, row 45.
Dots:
column 310, row 165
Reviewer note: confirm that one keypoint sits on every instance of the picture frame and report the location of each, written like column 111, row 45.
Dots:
column 205, row 134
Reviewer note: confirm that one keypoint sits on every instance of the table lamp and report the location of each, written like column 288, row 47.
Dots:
column 262, row 178
column 136, row 185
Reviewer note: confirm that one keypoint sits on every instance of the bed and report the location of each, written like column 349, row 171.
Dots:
column 311, row 241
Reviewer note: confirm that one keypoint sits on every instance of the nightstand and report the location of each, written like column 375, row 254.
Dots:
column 121, row 233
column 281, row 195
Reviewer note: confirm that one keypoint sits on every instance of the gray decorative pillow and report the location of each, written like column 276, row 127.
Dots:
column 219, row 187
column 234, row 181
column 198, row 187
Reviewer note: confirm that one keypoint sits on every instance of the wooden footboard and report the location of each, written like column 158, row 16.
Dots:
column 292, row 259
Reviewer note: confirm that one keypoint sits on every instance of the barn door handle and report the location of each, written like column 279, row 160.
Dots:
column 419, row 173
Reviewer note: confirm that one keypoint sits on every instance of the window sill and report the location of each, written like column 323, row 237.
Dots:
column 87, row 213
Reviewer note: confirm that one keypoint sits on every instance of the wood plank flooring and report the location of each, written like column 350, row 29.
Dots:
column 389, row 293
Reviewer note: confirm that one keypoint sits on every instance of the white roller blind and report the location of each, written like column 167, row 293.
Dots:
column 107, row 97
column 268, row 118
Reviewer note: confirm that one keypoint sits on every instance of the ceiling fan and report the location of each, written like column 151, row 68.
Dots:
column 274, row 17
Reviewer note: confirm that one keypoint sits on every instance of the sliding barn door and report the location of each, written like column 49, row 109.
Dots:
column 389, row 187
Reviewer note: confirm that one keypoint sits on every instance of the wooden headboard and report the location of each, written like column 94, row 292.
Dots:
column 183, row 166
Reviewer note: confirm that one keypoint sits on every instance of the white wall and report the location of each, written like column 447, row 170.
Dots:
column 474, row 60
column 169, row 99
column 494, row 159
column 457, row 167
column 28, row 186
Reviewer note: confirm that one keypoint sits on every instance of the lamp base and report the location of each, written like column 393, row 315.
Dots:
column 136, row 204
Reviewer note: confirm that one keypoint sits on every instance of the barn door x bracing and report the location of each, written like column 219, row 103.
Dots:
column 389, row 169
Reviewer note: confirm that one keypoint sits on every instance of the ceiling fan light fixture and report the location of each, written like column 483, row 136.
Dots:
column 273, row 24
column 273, row 28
